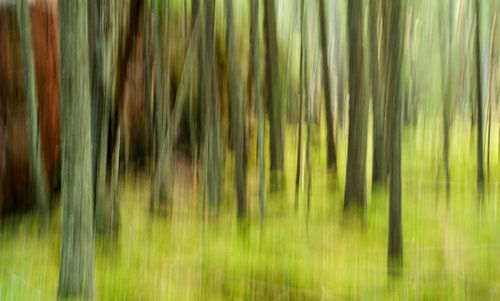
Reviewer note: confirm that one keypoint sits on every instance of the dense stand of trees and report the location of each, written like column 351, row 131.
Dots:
column 95, row 53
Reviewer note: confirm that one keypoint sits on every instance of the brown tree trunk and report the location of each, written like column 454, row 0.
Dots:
column 237, row 114
column 330, row 139
column 395, row 97
column 377, row 91
column 37, row 171
column 355, row 186
column 479, row 98
column 273, row 88
column 257, row 99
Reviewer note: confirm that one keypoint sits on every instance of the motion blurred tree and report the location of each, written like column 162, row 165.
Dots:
column 377, row 74
column 257, row 99
column 213, row 151
column 479, row 99
column 76, row 274
column 355, row 185
column 237, row 114
column 37, row 171
column 395, row 97
column 273, row 92
column 330, row 139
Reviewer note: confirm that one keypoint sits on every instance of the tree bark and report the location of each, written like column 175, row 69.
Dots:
column 480, row 167
column 395, row 97
column 301, row 105
column 273, row 88
column 37, row 172
column 257, row 99
column 76, row 275
column 237, row 114
column 213, row 156
column 355, row 187
column 377, row 91
column 330, row 139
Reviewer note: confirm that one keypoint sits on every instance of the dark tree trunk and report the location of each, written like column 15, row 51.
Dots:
column 305, row 79
column 377, row 91
column 330, row 139
column 339, row 66
column 479, row 98
column 37, row 171
column 355, row 187
column 395, row 97
column 490, row 91
column 257, row 99
column 213, row 156
column 446, row 82
column 273, row 88
column 237, row 114
column 76, row 275
column 301, row 105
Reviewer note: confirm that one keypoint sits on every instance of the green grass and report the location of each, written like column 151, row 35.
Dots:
column 450, row 248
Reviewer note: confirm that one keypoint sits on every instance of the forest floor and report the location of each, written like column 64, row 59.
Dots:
column 450, row 247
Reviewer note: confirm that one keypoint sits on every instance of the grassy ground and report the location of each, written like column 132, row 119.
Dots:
column 450, row 247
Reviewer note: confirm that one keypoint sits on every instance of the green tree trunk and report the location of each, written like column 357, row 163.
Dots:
column 213, row 154
column 355, row 187
column 301, row 105
column 479, row 99
column 379, row 169
column 37, row 173
column 273, row 88
column 76, row 274
column 330, row 139
column 395, row 97
column 237, row 114
column 257, row 99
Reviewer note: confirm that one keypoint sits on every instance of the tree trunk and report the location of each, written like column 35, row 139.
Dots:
column 273, row 88
column 378, row 102
column 37, row 173
column 395, row 97
column 237, row 114
column 339, row 66
column 161, row 191
column 257, row 99
column 330, row 139
column 213, row 156
column 305, row 71
column 301, row 105
column 76, row 275
column 490, row 91
column 480, row 167
column 355, row 187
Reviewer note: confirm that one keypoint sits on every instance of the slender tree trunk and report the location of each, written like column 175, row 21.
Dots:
column 273, row 88
column 146, row 33
column 213, row 158
column 339, row 66
column 160, row 192
column 37, row 173
column 301, row 105
column 490, row 91
column 257, row 99
column 395, row 97
column 446, row 83
column 305, row 71
column 330, row 139
column 480, row 167
column 355, row 187
column 378, row 103
column 76, row 275
column 237, row 113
